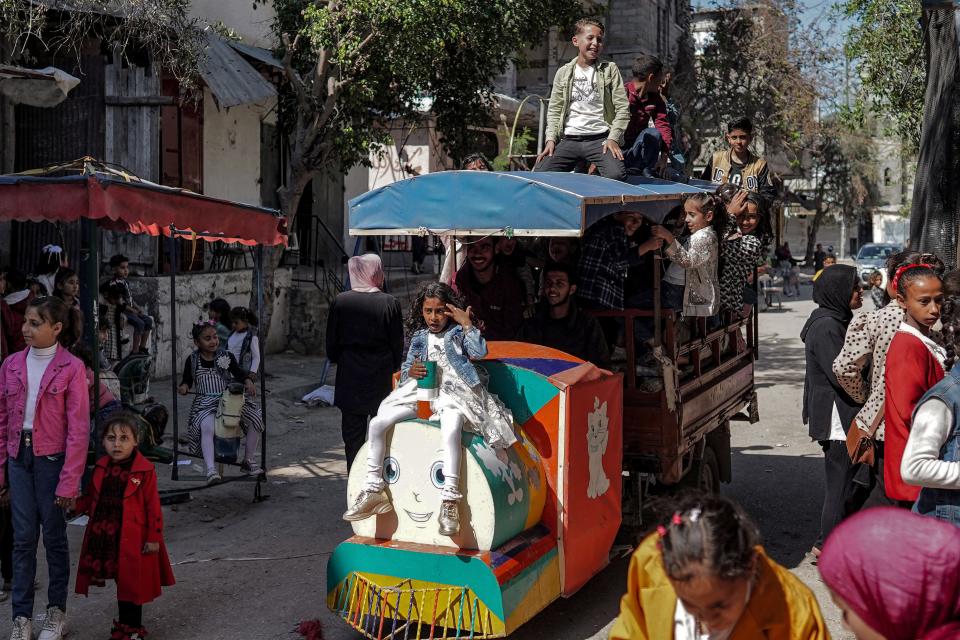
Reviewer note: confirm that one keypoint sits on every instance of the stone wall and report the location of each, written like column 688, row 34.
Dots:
column 193, row 292
column 308, row 320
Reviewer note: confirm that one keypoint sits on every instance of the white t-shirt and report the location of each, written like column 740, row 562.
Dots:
column 586, row 104
column 676, row 275
column 37, row 362
column 836, row 427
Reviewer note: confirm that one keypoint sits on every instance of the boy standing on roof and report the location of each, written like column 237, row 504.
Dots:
column 588, row 110
column 738, row 165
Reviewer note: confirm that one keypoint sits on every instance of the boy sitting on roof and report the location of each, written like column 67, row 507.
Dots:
column 588, row 110
column 647, row 145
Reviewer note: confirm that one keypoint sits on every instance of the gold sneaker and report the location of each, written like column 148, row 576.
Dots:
column 369, row 503
column 449, row 518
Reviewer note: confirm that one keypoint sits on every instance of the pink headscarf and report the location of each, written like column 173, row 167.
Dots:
column 366, row 273
column 900, row 572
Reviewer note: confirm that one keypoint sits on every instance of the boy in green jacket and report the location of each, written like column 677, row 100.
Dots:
column 588, row 110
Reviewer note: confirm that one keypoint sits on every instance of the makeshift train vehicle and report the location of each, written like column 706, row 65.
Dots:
column 538, row 522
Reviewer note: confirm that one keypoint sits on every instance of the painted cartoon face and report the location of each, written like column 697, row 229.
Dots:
column 415, row 487
column 499, row 499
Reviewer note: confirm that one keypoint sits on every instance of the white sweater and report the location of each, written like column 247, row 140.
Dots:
column 921, row 464
column 37, row 362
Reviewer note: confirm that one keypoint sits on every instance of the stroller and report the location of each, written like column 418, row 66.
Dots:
column 133, row 374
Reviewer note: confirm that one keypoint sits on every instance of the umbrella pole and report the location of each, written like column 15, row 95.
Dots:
column 89, row 264
column 263, row 358
column 173, row 351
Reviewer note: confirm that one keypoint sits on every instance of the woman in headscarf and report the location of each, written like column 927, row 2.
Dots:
column 827, row 408
column 365, row 340
column 895, row 575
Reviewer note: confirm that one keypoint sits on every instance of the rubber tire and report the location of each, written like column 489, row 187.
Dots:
column 705, row 474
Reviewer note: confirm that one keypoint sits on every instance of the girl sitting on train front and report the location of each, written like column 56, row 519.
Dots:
column 442, row 331
column 209, row 371
column 703, row 575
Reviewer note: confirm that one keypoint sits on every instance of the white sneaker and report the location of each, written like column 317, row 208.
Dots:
column 55, row 625
column 22, row 629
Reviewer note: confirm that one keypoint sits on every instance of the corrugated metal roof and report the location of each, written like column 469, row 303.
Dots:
column 230, row 78
column 264, row 56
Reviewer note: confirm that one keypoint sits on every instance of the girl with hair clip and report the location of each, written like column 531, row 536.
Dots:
column 704, row 576
column 861, row 364
column 123, row 540
column 931, row 458
column 442, row 331
column 44, row 433
column 694, row 261
column 919, row 366
column 209, row 371
column 48, row 266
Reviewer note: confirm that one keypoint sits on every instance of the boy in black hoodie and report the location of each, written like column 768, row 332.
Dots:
column 827, row 408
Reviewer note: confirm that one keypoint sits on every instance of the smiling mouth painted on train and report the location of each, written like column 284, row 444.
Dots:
column 419, row 517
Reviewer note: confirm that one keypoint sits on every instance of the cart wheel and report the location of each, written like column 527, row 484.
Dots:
column 705, row 474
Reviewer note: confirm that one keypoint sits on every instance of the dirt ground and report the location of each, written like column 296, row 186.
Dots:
column 250, row 570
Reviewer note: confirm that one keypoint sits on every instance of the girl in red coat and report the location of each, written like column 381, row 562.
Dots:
column 124, row 537
column 914, row 365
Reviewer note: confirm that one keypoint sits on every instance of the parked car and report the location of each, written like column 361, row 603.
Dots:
column 873, row 257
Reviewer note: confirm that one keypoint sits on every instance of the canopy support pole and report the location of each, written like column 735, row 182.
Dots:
column 657, row 261
column 89, row 268
column 258, row 495
column 173, row 351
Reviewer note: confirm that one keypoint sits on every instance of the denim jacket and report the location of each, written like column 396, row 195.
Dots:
column 471, row 342
column 944, row 503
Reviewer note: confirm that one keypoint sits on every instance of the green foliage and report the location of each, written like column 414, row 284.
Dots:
column 757, row 66
column 359, row 63
column 520, row 146
column 886, row 46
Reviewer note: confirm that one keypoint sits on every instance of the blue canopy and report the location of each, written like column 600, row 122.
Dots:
column 522, row 203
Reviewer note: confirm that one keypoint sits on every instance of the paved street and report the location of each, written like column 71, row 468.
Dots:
column 218, row 541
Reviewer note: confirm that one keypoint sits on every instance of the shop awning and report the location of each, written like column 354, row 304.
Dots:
column 126, row 203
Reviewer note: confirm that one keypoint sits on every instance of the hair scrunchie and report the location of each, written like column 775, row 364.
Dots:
column 905, row 268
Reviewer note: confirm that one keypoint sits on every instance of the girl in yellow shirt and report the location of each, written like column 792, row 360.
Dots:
column 703, row 576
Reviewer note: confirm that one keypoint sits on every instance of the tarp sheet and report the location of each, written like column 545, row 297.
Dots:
column 525, row 203
column 137, row 207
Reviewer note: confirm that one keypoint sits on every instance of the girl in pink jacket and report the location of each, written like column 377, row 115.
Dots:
column 44, row 433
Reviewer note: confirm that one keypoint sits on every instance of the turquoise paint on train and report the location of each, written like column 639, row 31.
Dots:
column 454, row 570
column 525, row 392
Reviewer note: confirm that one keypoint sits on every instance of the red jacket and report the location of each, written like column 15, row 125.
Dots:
column 643, row 109
column 139, row 576
column 11, row 324
column 911, row 371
